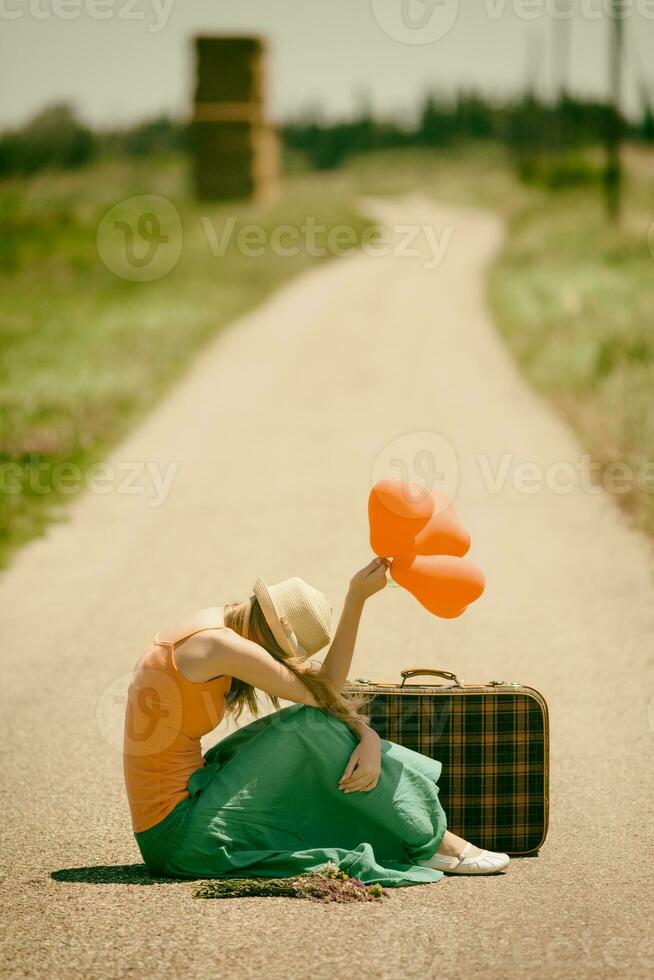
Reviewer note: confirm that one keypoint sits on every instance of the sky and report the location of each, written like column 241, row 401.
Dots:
column 119, row 61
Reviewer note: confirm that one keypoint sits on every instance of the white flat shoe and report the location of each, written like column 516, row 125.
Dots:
column 486, row 863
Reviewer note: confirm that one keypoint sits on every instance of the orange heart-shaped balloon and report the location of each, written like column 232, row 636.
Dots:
column 407, row 519
column 397, row 512
column 443, row 584
column 443, row 534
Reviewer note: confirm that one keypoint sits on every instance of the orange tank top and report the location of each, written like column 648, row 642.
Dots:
column 166, row 716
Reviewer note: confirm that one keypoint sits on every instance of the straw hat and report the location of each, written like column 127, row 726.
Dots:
column 298, row 615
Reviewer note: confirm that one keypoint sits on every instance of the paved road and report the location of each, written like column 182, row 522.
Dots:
column 276, row 434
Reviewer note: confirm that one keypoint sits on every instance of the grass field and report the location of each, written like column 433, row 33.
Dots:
column 85, row 351
column 574, row 298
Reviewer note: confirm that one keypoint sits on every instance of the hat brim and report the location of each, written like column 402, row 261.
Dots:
column 272, row 617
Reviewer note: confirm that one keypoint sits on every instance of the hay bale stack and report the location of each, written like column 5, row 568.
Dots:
column 235, row 149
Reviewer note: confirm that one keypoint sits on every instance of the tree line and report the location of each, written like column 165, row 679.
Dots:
column 532, row 130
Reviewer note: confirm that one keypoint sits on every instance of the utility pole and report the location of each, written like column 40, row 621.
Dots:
column 613, row 168
column 534, row 44
column 561, row 47
column 560, row 14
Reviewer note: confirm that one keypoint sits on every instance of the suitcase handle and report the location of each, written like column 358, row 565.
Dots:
column 414, row 671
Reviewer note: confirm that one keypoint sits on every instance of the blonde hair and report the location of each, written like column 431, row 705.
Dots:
column 329, row 699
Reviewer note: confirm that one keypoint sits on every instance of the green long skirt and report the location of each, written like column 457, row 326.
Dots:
column 267, row 804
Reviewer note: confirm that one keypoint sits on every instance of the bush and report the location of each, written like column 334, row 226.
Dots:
column 53, row 139
column 558, row 172
column 155, row 136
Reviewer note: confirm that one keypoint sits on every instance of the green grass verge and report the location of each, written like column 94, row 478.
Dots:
column 574, row 298
column 85, row 352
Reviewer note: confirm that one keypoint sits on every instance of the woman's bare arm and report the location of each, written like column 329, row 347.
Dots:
column 222, row 651
column 364, row 584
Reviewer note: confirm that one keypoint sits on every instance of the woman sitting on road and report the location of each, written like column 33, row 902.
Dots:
column 307, row 784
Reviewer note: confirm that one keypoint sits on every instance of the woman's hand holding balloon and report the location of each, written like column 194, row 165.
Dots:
column 370, row 579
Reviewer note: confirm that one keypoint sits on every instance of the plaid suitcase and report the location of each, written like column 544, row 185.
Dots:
column 493, row 742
